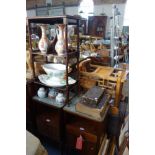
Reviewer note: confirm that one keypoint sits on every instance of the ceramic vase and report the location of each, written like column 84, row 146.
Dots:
column 60, row 46
column 41, row 92
column 44, row 41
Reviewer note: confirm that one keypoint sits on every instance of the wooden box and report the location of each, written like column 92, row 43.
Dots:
column 92, row 97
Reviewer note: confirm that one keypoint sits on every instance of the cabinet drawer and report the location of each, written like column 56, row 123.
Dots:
column 88, row 147
column 74, row 130
column 48, row 125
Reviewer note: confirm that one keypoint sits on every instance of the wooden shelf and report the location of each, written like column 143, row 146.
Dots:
column 71, row 20
column 48, row 114
column 51, row 17
column 69, row 54
column 39, row 53
column 52, row 102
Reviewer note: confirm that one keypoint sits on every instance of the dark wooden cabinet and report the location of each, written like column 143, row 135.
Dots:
column 49, row 120
column 97, row 25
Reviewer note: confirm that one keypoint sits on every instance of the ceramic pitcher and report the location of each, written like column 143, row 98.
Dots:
column 44, row 42
column 60, row 46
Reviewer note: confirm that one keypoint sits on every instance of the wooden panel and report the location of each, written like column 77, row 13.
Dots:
column 30, row 4
column 33, row 3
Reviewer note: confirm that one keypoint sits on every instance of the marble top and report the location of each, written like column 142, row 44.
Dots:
column 48, row 101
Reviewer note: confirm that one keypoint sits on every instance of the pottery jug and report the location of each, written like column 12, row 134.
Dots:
column 44, row 42
column 60, row 46
column 60, row 99
column 41, row 92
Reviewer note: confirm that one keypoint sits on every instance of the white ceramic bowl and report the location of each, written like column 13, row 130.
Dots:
column 55, row 70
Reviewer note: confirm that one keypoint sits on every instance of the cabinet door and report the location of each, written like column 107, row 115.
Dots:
column 48, row 122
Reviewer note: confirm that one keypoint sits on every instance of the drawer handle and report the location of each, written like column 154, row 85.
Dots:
column 48, row 120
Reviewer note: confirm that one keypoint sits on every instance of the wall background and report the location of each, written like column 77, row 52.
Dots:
column 73, row 10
